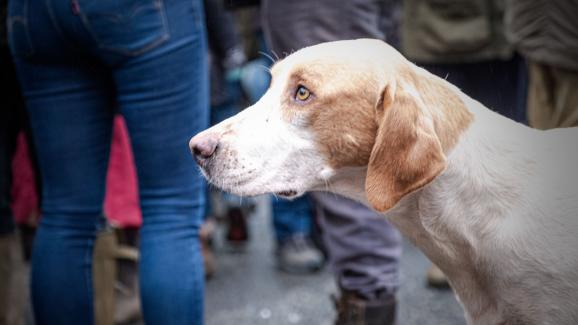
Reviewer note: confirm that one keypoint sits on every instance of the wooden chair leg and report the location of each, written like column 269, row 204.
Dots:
column 104, row 277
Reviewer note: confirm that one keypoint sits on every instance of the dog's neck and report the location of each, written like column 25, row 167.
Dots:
column 448, row 218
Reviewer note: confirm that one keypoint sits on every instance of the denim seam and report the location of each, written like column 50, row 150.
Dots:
column 88, row 277
column 164, row 37
column 21, row 18
column 196, row 282
column 199, row 14
column 54, row 20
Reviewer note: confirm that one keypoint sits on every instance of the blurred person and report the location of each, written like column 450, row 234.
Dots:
column 546, row 33
column 77, row 60
column 364, row 249
column 293, row 221
column 464, row 41
column 227, row 58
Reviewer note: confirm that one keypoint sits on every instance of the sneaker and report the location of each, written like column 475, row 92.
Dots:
column 298, row 255
column 354, row 310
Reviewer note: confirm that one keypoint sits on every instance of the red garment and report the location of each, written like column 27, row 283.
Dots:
column 121, row 202
column 24, row 195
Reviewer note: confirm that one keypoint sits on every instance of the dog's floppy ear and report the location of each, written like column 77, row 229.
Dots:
column 407, row 153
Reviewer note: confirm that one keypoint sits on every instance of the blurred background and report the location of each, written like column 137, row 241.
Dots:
column 104, row 218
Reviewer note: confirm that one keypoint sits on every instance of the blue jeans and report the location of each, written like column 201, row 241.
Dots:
column 77, row 62
column 292, row 217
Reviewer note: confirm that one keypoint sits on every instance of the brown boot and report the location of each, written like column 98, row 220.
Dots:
column 353, row 310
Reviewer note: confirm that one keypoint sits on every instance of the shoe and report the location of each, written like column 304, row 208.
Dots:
column 298, row 255
column 353, row 310
column 237, row 231
column 436, row 278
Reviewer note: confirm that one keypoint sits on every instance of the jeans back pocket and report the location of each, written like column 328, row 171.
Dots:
column 18, row 30
column 129, row 27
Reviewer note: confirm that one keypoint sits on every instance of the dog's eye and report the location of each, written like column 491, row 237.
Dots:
column 302, row 94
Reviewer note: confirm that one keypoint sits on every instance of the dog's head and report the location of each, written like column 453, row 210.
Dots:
column 330, row 108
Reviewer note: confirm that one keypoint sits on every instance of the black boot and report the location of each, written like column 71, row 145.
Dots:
column 354, row 310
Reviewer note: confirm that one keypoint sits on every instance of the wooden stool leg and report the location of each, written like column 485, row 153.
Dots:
column 104, row 277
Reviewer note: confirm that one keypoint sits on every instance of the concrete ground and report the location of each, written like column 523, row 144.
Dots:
column 248, row 290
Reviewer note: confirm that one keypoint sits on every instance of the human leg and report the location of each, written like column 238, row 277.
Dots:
column 364, row 252
column 72, row 125
column 364, row 247
column 163, row 96
column 69, row 106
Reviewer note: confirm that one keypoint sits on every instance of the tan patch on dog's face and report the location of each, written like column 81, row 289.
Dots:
column 341, row 111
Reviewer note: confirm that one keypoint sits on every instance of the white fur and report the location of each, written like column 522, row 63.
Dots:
column 501, row 221
column 259, row 151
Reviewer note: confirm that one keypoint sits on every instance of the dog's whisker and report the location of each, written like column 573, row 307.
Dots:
column 276, row 56
column 264, row 67
column 263, row 53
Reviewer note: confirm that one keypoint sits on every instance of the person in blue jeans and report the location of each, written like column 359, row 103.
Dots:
column 78, row 61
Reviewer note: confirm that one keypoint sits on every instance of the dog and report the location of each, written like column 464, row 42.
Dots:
column 490, row 201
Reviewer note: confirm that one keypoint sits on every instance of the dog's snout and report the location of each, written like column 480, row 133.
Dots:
column 203, row 146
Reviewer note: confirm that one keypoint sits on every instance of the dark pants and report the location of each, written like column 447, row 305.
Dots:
column 77, row 62
column 500, row 85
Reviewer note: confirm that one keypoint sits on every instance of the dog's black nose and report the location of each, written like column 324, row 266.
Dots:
column 203, row 146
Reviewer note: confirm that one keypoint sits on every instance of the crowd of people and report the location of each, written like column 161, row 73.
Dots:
column 104, row 95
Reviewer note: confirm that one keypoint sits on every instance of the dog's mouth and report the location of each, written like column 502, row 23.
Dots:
column 288, row 194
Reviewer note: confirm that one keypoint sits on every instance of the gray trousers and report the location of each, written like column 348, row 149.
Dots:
column 364, row 249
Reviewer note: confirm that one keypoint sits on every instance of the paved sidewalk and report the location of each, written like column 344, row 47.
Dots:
column 249, row 290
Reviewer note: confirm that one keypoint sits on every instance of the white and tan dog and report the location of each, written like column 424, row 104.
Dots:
column 492, row 202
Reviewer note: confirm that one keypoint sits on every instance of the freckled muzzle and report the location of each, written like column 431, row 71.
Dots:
column 228, row 173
